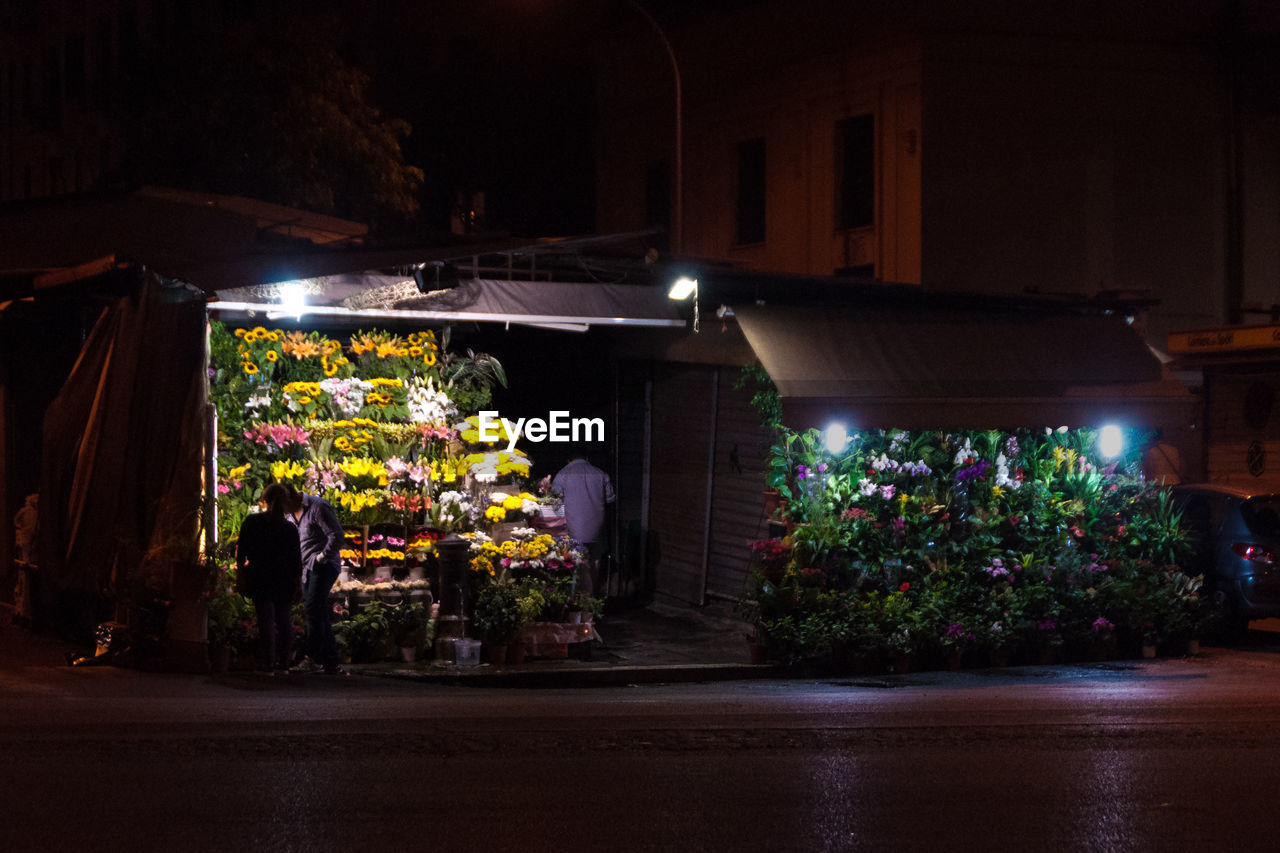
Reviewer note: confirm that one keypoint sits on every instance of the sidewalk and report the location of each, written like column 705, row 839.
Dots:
column 645, row 644
column 654, row 643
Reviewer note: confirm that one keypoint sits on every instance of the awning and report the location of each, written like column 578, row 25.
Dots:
column 357, row 298
column 958, row 369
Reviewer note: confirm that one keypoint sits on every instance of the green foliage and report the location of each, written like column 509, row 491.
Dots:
column 408, row 624
column 242, row 115
column 365, row 634
column 497, row 613
column 927, row 542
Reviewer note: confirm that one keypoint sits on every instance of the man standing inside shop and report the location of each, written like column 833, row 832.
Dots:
column 585, row 489
column 320, row 536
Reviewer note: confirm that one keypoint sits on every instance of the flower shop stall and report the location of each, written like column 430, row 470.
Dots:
column 383, row 427
column 934, row 549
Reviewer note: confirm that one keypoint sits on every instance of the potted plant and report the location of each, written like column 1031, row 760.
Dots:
column 496, row 617
column 408, row 624
column 365, row 633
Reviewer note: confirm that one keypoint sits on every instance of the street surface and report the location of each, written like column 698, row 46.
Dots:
column 1162, row 755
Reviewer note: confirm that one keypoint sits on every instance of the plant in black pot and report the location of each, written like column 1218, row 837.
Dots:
column 365, row 634
column 496, row 617
column 409, row 623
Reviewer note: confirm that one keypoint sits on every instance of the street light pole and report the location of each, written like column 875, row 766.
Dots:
column 677, row 207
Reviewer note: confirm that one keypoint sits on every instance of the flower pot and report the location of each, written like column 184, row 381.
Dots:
column 408, row 654
column 515, row 652
column 758, row 653
column 495, row 653
column 574, row 617
column 1148, row 650
column 955, row 659
column 1193, row 646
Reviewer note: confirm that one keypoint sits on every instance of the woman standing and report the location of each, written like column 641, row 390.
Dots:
column 269, row 571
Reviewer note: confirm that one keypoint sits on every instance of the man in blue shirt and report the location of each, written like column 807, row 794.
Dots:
column 320, row 536
column 585, row 489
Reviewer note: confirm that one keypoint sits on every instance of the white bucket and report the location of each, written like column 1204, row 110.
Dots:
column 467, row 652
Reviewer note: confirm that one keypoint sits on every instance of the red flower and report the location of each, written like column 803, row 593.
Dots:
column 906, row 586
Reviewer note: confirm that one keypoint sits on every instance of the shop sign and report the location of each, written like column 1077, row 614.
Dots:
column 1226, row 339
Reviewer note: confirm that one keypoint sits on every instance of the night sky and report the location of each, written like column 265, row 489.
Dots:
column 501, row 95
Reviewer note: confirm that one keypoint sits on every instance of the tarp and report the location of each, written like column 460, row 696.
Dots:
column 953, row 369
column 123, row 448
column 382, row 297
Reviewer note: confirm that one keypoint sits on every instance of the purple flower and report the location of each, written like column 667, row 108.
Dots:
column 801, row 472
column 1102, row 623
column 973, row 472
column 899, row 526
column 1047, row 625
column 886, row 492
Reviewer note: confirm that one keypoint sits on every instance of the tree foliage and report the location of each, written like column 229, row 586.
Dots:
column 272, row 111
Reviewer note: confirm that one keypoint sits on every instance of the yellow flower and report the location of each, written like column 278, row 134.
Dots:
column 237, row 472
column 1058, row 456
column 1071, row 460
column 429, row 359
column 495, row 513
column 250, row 368
column 331, row 370
column 386, row 349
column 415, row 351
column 259, row 331
column 903, row 500
column 356, row 468
column 273, row 335
column 250, row 337
column 343, row 444
column 996, row 491
column 513, row 503
column 239, row 333
column 394, row 383
column 270, row 355
column 286, row 470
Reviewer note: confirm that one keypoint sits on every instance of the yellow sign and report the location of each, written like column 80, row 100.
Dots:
column 1225, row 339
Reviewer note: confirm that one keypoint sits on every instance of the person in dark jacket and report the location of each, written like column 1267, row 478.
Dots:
column 322, row 538
column 269, row 571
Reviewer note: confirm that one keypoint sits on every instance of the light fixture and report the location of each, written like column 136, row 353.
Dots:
column 682, row 288
column 293, row 297
column 435, row 275
column 835, row 437
column 1110, row 441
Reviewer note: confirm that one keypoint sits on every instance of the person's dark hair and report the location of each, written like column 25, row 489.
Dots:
column 278, row 500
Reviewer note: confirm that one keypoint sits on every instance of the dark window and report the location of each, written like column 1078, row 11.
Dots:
column 103, row 71
column 75, row 67
column 657, row 195
column 51, row 112
column 127, row 41
column 855, row 172
column 751, row 192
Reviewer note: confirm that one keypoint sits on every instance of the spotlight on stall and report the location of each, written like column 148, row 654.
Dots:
column 836, row 437
column 1110, row 441
column 435, row 275
column 682, row 288
column 293, row 297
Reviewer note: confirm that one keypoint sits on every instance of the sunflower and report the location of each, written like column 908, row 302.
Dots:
column 271, row 355
column 239, row 333
column 429, row 359
column 250, row 368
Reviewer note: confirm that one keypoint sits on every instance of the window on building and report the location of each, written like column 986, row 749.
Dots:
column 749, row 227
column 855, row 172
column 127, row 41
column 51, row 106
column 103, row 70
column 657, row 196
column 75, row 67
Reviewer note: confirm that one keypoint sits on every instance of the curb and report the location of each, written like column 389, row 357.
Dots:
column 601, row 676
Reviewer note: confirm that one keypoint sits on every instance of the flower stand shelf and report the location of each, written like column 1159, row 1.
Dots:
column 552, row 639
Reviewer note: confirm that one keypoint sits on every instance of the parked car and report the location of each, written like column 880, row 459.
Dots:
column 1235, row 543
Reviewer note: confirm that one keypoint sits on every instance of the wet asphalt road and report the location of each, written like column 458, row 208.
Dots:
column 1164, row 755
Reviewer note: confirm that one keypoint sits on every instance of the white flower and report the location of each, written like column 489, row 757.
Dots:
column 427, row 405
column 258, row 401
column 530, row 507
column 498, row 497
column 964, row 453
column 867, row 487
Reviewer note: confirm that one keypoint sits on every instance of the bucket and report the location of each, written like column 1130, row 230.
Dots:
column 468, row 652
